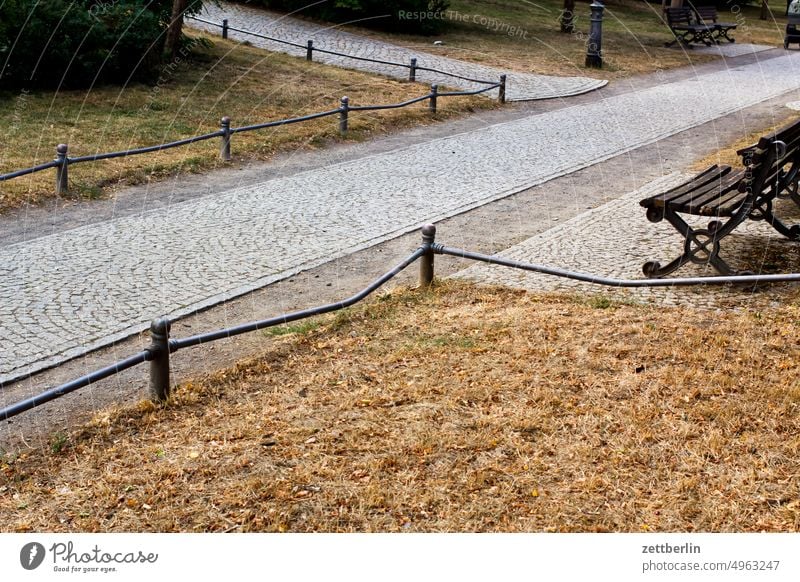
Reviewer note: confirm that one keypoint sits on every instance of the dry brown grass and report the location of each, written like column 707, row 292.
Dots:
column 460, row 409
column 247, row 84
column 727, row 154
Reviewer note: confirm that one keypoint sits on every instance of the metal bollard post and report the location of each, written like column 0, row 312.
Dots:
column 426, row 261
column 343, row 115
column 501, row 94
column 310, row 50
column 225, row 147
column 434, row 93
column 412, row 72
column 225, row 28
column 159, row 364
column 62, row 170
column 594, row 49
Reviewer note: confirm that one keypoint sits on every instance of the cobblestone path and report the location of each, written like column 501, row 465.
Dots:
column 520, row 86
column 64, row 294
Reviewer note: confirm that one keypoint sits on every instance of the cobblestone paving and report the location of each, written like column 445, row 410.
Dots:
column 732, row 50
column 615, row 240
column 520, row 86
column 64, row 294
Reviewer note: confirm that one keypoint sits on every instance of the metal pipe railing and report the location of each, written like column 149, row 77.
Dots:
column 81, row 382
column 62, row 161
column 310, row 49
column 158, row 353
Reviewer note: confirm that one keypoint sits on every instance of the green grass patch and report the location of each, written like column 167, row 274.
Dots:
column 301, row 328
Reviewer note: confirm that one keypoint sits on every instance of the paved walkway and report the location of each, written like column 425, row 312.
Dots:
column 615, row 239
column 65, row 294
column 520, row 86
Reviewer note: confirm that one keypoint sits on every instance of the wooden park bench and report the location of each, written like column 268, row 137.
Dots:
column 729, row 197
column 687, row 30
column 708, row 15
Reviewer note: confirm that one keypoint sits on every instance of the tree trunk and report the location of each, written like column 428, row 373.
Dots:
column 765, row 9
column 175, row 28
column 568, row 16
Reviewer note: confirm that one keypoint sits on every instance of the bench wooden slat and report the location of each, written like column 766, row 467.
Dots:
column 691, row 202
column 707, row 176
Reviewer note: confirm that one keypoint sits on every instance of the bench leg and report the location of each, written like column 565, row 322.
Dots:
column 791, row 189
column 701, row 245
column 685, row 39
column 677, row 39
column 764, row 212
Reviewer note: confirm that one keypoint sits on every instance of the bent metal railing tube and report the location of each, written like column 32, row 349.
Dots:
column 158, row 356
column 147, row 149
column 284, row 121
column 26, row 171
column 158, row 352
column 310, row 49
column 610, row 281
column 76, row 384
column 195, row 340
column 64, row 161
column 462, row 93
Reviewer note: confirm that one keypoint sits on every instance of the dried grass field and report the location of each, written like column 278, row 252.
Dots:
column 459, row 409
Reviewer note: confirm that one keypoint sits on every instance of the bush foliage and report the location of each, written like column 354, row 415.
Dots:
column 51, row 43
column 384, row 14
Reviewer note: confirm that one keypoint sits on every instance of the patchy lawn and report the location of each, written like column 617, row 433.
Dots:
column 464, row 408
column 247, row 84
column 526, row 36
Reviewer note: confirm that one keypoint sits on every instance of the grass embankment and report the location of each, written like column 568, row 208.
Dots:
column 526, row 36
column 727, row 155
column 192, row 95
column 463, row 408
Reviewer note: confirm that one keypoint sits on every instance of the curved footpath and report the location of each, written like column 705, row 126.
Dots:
column 65, row 294
column 520, row 86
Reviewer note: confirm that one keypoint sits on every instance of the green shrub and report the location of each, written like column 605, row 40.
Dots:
column 51, row 43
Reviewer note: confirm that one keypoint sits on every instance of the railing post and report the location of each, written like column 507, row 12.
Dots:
column 225, row 28
column 412, row 71
column 62, row 170
column 434, row 93
column 426, row 261
column 310, row 50
column 501, row 95
column 225, row 148
column 159, row 364
column 343, row 115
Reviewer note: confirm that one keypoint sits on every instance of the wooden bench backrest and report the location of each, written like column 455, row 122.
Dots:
column 678, row 16
column 765, row 160
column 706, row 13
